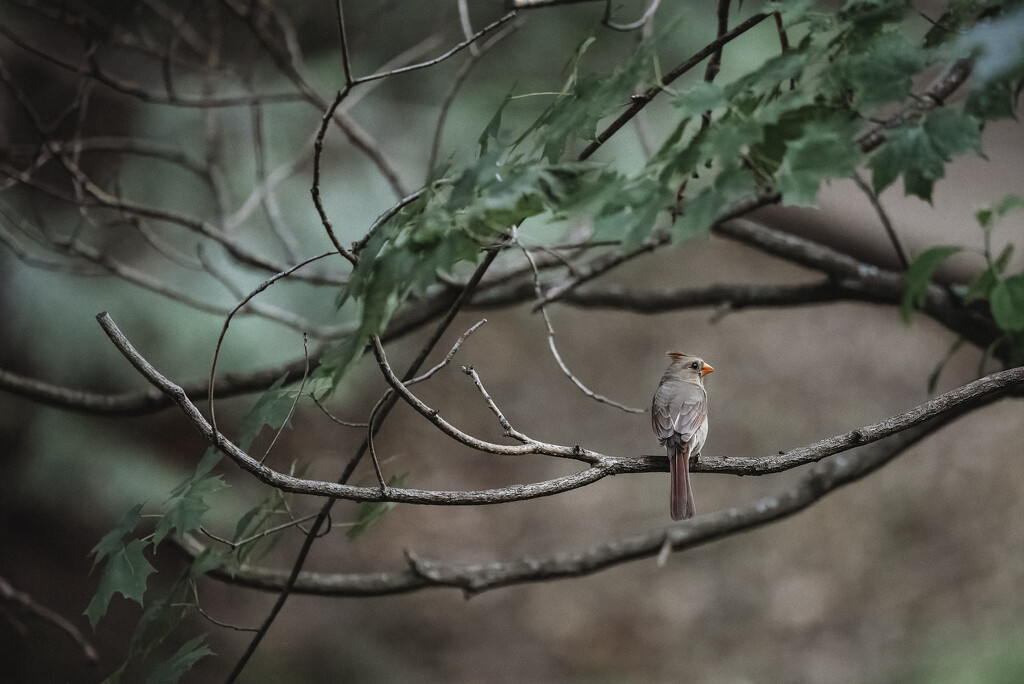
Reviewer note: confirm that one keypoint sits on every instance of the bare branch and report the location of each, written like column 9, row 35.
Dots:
column 318, row 149
column 502, row 420
column 554, row 348
column 861, row 280
column 23, row 604
column 440, row 58
column 822, row 479
column 883, row 216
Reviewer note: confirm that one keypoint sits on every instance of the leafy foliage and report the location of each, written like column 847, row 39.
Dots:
column 1005, row 294
column 920, row 152
column 125, row 572
column 919, row 276
column 175, row 667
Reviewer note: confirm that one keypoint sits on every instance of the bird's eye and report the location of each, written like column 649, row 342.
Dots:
column 693, row 365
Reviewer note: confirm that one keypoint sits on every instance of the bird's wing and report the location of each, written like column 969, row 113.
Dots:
column 678, row 410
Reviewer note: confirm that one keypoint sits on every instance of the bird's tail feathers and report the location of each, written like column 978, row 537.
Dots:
column 681, row 500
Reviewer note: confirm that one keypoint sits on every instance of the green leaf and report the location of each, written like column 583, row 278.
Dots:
column 920, row 152
column 163, row 614
column 947, row 26
column 871, row 16
column 585, row 100
column 1008, row 204
column 174, row 668
column 1008, row 303
column 370, row 512
column 952, row 133
column 112, row 541
column 700, row 213
column 271, row 409
column 982, row 285
column 186, row 513
column 992, row 101
column 919, row 275
column 493, row 127
column 125, row 573
column 630, row 211
column 700, row 98
column 205, row 562
column 731, row 137
column 883, row 69
column 826, row 150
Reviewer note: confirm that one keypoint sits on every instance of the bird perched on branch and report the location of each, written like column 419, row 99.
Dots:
column 679, row 415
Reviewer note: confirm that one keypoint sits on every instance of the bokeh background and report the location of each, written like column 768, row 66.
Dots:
column 911, row 575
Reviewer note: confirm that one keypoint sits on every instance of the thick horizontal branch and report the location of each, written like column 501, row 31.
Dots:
column 861, row 280
column 822, row 479
column 734, row 296
column 142, row 402
column 989, row 387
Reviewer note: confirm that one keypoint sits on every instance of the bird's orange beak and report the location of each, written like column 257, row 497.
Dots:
column 706, row 369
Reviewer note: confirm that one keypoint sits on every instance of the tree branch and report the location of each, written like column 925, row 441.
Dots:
column 818, row 482
column 600, row 465
column 21, row 603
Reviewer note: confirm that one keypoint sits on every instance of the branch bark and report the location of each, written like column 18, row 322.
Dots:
column 822, row 479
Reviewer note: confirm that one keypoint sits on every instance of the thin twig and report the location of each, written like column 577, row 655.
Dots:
column 227, row 322
column 641, row 101
column 451, row 354
column 343, row 42
column 502, row 420
column 440, row 58
column 453, row 90
column 714, row 64
column 883, row 216
column 234, row 545
column 210, row 618
column 22, row 603
column 334, row 418
column 318, row 148
column 295, row 402
column 554, row 348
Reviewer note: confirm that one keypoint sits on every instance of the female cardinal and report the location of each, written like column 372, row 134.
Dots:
column 679, row 415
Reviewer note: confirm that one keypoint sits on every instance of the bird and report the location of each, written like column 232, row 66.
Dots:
column 679, row 416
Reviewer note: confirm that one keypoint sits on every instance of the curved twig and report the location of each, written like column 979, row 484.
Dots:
column 633, row 25
column 554, row 348
column 227, row 322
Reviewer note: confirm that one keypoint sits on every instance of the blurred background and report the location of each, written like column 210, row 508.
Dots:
column 911, row 575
